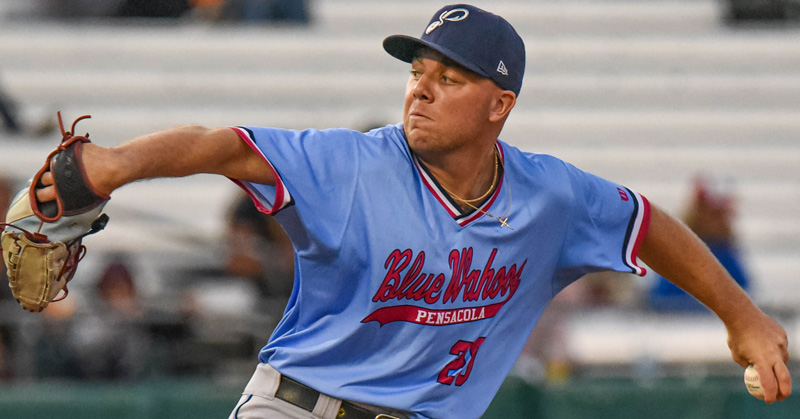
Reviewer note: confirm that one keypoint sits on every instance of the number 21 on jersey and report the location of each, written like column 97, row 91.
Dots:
column 457, row 371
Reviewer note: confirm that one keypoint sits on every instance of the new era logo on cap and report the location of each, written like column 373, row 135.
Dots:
column 501, row 68
column 474, row 38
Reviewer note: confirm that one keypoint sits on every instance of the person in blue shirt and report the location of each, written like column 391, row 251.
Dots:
column 710, row 214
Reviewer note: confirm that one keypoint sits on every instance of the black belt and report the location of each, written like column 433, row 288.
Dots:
column 306, row 397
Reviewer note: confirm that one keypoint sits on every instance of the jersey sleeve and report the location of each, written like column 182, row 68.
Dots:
column 315, row 170
column 607, row 224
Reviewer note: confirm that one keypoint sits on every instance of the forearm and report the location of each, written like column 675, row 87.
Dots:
column 675, row 252
column 672, row 250
column 176, row 152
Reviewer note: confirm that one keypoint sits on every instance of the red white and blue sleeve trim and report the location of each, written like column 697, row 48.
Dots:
column 265, row 204
column 637, row 229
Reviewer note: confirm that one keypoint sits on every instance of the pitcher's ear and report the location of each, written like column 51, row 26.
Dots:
column 503, row 103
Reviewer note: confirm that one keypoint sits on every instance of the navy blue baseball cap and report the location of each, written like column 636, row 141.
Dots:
column 476, row 39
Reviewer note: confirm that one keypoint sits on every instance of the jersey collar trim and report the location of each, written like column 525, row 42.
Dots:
column 461, row 217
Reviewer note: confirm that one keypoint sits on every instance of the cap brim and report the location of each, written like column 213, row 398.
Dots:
column 404, row 48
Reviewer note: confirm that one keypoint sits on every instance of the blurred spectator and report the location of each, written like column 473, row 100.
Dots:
column 6, row 371
column 13, row 123
column 253, row 235
column 9, row 114
column 208, row 10
column 83, row 9
column 104, row 340
column 764, row 11
column 289, row 11
column 710, row 215
column 112, row 337
column 6, row 191
column 6, row 194
column 55, row 348
column 80, row 9
column 153, row 9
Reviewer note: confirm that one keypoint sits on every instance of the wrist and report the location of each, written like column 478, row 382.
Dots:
column 741, row 316
column 104, row 169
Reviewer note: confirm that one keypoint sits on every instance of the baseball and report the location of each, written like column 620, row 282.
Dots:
column 753, row 382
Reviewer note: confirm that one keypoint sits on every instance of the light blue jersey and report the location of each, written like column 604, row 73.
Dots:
column 400, row 299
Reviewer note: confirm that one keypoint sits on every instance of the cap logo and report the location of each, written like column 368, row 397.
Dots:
column 454, row 15
column 501, row 68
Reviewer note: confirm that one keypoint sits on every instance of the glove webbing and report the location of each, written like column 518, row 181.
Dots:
column 75, row 250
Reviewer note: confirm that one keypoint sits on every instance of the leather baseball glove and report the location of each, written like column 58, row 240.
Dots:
column 42, row 241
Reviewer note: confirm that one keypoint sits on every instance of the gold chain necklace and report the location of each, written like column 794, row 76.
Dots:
column 482, row 197
column 504, row 218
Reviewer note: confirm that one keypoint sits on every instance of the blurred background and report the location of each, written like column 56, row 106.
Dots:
column 694, row 103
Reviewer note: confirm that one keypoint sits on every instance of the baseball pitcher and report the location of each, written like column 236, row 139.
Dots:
column 426, row 251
